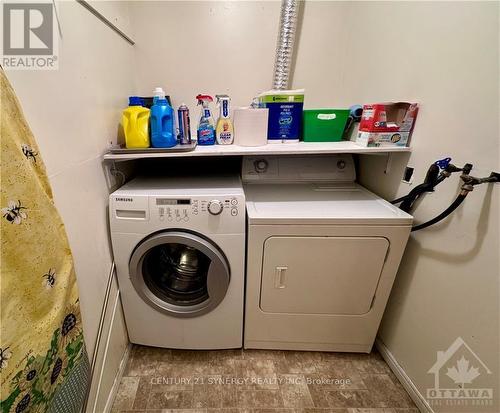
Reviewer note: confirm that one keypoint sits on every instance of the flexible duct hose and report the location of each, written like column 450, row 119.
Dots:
column 284, row 48
column 456, row 203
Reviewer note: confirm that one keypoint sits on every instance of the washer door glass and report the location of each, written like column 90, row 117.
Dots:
column 179, row 273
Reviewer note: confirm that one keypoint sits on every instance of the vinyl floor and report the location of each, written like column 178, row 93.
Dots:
column 258, row 381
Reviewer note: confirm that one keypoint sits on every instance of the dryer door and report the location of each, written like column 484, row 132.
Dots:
column 179, row 273
column 321, row 275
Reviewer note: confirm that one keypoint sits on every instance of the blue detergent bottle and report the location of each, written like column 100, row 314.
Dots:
column 162, row 124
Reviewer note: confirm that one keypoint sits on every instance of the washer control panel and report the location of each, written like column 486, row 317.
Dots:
column 207, row 206
column 176, row 210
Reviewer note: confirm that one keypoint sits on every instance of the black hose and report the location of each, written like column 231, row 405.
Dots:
column 418, row 190
column 456, row 203
column 415, row 193
column 409, row 199
column 398, row 200
column 432, row 178
column 440, row 179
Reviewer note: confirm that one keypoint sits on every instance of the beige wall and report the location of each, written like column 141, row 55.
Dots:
column 74, row 113
column 448, row 283
column 443, row 55
column 194, row 47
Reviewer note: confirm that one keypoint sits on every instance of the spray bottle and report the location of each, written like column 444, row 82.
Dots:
column 224, row 131
column 206, row 126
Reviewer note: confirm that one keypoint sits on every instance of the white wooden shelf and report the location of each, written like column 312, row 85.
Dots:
column 301, row 148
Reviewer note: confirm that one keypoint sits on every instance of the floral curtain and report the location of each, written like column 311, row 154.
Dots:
column 43, row 363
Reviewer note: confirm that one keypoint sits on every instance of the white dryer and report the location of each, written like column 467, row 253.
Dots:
column 322, row 255
column 179, row 249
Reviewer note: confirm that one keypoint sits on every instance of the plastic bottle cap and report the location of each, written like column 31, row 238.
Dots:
column 159, row 92
column 135, row 101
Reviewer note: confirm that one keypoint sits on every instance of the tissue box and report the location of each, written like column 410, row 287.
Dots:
column 387, row 124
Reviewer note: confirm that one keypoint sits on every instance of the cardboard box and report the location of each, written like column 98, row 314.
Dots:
column 387, row 124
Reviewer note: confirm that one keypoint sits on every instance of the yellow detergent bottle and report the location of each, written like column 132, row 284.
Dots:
column 224, row 132
column 135, row 123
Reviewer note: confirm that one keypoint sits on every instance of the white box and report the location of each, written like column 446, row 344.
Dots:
column 250, row 126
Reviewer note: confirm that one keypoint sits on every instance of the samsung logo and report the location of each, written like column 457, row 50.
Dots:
column 124, row 199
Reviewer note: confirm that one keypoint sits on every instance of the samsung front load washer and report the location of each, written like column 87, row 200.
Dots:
column 322, row 256
column 179, row 248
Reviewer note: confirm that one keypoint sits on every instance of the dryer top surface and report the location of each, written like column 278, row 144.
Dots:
column 308, row 202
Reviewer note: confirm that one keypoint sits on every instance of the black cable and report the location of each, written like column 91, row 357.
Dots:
column 456, row 203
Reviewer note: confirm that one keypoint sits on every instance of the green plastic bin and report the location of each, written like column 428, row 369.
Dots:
column 324, row 125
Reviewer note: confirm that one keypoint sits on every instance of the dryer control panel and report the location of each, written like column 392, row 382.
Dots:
column 274, row 169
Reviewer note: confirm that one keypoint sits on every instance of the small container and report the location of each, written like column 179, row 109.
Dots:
column 184, row 125
column 324, row 125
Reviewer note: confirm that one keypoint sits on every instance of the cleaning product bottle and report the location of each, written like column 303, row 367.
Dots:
column 206, row 126
column 135, row 122
column 224, row 131
column 162, row 122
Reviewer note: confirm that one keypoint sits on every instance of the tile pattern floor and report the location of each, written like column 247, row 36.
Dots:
column 258, row 381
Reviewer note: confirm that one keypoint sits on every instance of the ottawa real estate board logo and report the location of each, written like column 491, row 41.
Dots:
column 461, row 380
column 29, row 36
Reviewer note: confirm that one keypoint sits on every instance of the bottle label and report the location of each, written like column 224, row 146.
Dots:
column 225, row 109
column 225, row 136
column 206, row 135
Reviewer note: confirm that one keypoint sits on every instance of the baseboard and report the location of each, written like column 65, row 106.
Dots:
column 406, row 382
column 118, row 378
column 112, row 348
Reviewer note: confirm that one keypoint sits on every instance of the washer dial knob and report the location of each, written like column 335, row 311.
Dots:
column 215, row 207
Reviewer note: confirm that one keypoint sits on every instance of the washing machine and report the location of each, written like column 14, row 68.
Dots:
column 179, row 250
column 322, row 255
